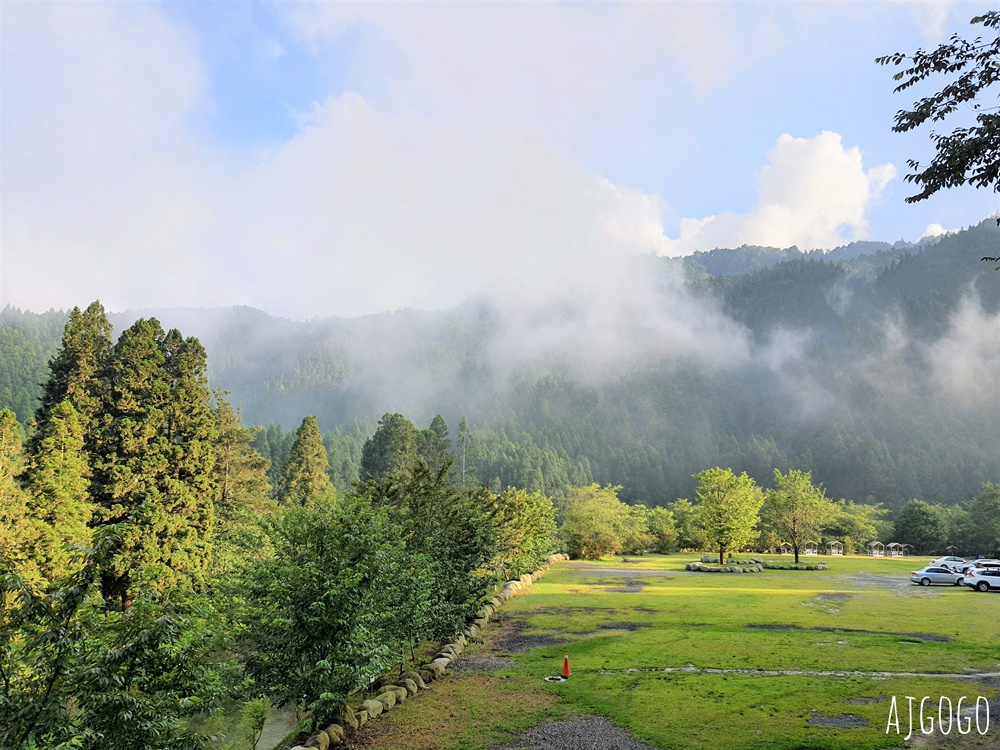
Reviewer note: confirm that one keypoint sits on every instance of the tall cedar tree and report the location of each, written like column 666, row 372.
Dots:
column 57, row 480
column 433, row 445
column 240, row 471
column 74, row 370
column 307, row 477
column 154, row 458
column 391, row 450
column 17, row 535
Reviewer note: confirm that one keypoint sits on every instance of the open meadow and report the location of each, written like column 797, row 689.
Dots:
column 687, row 660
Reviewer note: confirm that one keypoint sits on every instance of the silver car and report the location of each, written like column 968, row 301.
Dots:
column 927, row 576
column 952, row 562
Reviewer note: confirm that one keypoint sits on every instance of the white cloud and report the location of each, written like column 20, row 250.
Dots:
column 551, row 64
column 966, row 361
column 813, row 193
column 103, row 193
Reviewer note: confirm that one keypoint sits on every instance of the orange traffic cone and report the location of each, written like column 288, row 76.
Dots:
column 565, row 665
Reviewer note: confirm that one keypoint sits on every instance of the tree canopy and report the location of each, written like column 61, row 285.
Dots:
column 967, row 68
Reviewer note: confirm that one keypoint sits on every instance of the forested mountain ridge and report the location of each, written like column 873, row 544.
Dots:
column 871, row 366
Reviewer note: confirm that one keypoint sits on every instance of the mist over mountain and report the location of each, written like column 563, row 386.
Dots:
column 874, row 365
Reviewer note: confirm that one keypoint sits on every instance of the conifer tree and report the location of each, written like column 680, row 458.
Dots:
column 154, row 457
column 57, row 482
column 240, row 471
column 74, row 370
column 17, row 535
column 391, row 450
column 433, row 445
column 306, row 476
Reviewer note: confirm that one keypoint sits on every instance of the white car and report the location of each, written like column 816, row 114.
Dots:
column 927, row 576
column 983, row 579
column 952, row 563
column 979, row 563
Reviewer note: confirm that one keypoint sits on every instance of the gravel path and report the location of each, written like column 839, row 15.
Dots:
column 583, row 733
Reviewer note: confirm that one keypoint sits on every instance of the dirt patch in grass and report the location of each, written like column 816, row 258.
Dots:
column 918, row 637
column 876, row 699
column 631, row 586
column 575, row 734
column 569, row 610
column 513, row 640
column 849, row 721
column 631, row 626
column 772, row 626
column 480, row 663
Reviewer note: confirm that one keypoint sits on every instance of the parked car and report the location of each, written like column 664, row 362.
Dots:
column 939, row 574
column 983, row 579
column 982, row 562
column 952, row 562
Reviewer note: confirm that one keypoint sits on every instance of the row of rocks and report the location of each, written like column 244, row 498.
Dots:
column 388, row 696
column 733, row 561
column 701, row 567
column 754, row 565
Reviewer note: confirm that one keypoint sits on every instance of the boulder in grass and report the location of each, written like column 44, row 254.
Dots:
column 387, row 699
column 362, row 716
column 346, row 718
column 337, row 733
column 319, row 740
column 385, row 689
column 374, row 707
column 436, row 667
column 413, row 677
column 427, row 675
column 401, row 693
column 410, row 685
column 443, row 662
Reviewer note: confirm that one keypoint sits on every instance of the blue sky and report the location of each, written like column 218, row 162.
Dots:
column 329, row 158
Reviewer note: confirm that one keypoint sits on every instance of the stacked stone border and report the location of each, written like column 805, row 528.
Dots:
column 388, row 696
column 751, row 565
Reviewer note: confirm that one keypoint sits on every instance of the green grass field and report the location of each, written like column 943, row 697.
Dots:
column 755, row 654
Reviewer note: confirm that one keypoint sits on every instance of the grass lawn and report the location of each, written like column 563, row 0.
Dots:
column 713, row 660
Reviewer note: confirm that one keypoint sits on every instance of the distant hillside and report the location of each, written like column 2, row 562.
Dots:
column 873, row 365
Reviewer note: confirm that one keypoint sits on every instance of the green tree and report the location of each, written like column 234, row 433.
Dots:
column 77, row 675
column 730, row 507
column 74, row 372
column 154, row 458
column 662, row 530
column 391, row 450
column 433, row 445
column 526, row 528
column 796, row 509
column 307, row 472
column 920, row 524
column 57, row 480
column 595, row 522
column 854, row 524
column 454, row 531
column 316, row 613
column 969, row 154
column 983, row 535
column 17, row 534
column 687, row 520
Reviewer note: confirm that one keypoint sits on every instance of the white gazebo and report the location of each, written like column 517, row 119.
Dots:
column 810, row 548
column 834, row 548
column 876, row 549
column 894, row 549
column 785, row 548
